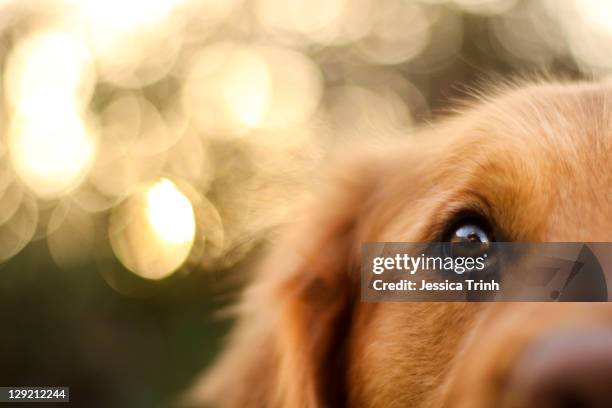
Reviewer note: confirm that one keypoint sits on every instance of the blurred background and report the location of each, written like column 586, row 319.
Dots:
column 149, row 147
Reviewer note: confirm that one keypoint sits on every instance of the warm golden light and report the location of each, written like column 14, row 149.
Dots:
column 141, row 110
column 170, row 213
column 296, row 87
column 240, row 88
column 48, row 85
column 246, row 90
column 118, row 15
column 228, row 86
column 135, row 42
column 318, row 20
column 152, row 233
column 400, row 31
column 48, row 68
column 51, row 155
column 597, row 12
column 589, row 32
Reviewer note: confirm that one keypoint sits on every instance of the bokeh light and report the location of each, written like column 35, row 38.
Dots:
column 246, row 89
column 48, row 82
column 399, row 32
column 170, row 213
column 153, row 232
column 51, row 154
column 315, row 20
column 135, row 42
column 190, row 128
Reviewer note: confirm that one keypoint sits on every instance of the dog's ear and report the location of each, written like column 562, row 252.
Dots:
column 288, row 347
column 317, row 294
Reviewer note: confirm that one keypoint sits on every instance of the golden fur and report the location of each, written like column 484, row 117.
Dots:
column 536, row 159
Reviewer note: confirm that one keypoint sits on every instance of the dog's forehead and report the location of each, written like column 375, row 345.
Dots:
column 538, row 159
column 562, row 120
column 547, row 150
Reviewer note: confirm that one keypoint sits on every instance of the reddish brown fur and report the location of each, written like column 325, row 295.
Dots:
column 536, row 160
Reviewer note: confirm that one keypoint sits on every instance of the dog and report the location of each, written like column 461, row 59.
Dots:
column 529, row 163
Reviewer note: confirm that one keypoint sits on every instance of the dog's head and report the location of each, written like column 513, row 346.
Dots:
column 533, row 164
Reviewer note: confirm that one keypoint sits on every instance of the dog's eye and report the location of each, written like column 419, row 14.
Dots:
column 470, row 243
column 469, row 237
column 469, row 232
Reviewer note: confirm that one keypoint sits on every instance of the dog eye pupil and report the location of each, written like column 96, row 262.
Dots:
column 469, row 233
column 471, row 237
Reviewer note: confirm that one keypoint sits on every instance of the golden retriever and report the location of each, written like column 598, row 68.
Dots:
column 531, row 163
